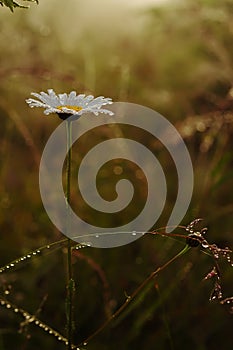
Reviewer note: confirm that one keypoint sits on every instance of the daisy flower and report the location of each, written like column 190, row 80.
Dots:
column 66, row 105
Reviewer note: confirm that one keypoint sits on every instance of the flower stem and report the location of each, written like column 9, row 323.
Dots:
column 70, row 282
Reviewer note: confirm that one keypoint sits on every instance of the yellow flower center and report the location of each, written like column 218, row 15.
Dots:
column 75, row 108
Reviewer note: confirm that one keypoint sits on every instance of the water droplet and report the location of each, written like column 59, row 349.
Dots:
column 16, row 310
column 205, row 245
column 7, row 292
column 8, row 306
column 97, row 236
column 48, row 246
column 85, row 343
column 134, row 233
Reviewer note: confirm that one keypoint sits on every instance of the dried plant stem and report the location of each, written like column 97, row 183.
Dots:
column 134, row 295
column 70, row 280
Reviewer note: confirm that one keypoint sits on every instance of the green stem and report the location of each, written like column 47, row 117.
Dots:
column 70, row 282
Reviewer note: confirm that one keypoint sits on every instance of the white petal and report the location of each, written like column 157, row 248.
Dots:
column 51, row 110
column 85, row 100
column 63, row 99
column 49, row 100
column 35, row 103
column 71, row 97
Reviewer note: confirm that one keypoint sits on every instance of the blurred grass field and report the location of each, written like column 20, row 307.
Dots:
column 174, row 58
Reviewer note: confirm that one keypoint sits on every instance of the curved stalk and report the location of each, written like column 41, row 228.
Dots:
column 131, row 297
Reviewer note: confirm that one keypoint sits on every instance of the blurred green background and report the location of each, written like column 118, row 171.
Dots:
column 174, row 57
